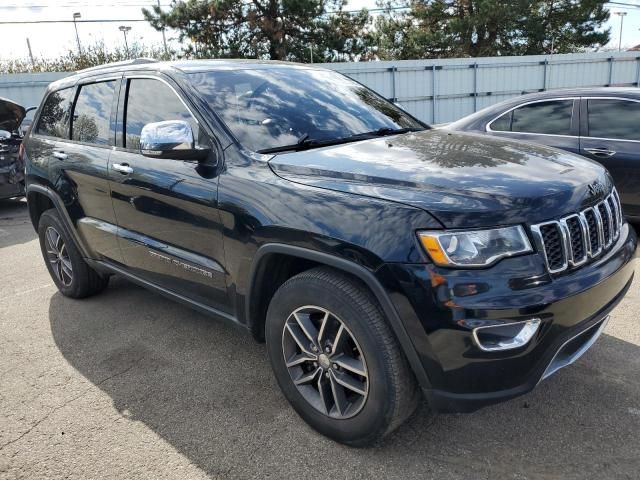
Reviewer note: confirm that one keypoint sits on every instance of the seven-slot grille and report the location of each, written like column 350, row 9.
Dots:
column 576, row 238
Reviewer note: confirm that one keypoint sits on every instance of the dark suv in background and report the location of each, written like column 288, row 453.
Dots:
column 602, row 124
column 372, row 254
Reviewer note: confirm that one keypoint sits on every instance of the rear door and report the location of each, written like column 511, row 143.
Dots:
column 70, row 146
column 78, row 169
column 552, row 122
column 610, row 134
column 168, row 218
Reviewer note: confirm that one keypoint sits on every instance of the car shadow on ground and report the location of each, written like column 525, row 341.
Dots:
column 15, row 226
column 206, row 388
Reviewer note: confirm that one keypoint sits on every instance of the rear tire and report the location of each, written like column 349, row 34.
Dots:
column 69, row 271
column 366, row 357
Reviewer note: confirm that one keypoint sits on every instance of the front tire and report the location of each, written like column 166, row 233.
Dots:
column 336, row 359
column 69, row 271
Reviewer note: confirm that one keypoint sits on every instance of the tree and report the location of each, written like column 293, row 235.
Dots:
column 273, row 29
column 474, row 28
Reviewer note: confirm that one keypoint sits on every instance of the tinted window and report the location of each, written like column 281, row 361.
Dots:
column 553, row 117
column 54, row 118
column 150, row 101
column 273, row 107
column 618, row 119
column 502, row 124
column 92, row 112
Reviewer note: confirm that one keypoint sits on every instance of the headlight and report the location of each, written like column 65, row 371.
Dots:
column 477, row 248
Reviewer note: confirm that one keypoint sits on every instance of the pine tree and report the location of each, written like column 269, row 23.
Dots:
column 274, row 29
column 474, row 28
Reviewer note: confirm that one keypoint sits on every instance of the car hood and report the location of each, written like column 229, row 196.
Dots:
column 11, row 115
column 465, row 180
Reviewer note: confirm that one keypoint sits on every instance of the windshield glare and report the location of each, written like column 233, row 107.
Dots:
column 274, row 107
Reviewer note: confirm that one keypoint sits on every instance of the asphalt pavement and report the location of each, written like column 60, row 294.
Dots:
column 129, row 385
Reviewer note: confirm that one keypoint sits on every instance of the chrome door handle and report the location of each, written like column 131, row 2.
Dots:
column 122, row 168
column 60, row 155
column 600, row 152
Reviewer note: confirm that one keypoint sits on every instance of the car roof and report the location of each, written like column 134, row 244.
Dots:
column 184, row 66
column 583, row 91
column 491, row 111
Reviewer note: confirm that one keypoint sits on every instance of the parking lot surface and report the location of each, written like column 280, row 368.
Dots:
column 131, row 385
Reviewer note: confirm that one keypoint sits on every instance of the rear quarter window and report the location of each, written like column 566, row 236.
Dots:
column 54, row 117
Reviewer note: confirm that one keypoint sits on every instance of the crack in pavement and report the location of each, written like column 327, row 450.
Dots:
column 71, row 400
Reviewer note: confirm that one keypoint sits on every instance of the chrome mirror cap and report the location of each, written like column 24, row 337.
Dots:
column 169, row 135
column 171, row 139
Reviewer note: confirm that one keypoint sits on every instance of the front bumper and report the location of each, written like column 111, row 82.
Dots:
column 439, row 308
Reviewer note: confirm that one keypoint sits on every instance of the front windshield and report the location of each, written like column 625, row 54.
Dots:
column 275, row 107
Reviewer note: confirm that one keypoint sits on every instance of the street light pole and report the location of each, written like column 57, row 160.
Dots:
column 77, row 15
column 124, row 31
column 621, row 15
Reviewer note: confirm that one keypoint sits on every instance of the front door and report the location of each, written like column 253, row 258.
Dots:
column 168, row 219
column 610, row 135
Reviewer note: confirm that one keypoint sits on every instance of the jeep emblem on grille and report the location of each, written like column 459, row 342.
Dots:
column 596, row 188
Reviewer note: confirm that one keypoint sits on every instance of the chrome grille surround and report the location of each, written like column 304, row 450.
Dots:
column 569, row 242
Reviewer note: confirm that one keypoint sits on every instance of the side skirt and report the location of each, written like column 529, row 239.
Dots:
column 107, row 267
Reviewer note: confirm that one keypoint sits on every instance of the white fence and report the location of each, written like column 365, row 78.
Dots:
column 440, row 90
column 27, row 89
column 444, row 90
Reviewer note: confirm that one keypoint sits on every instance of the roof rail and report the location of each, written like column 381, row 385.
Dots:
column 135, row 61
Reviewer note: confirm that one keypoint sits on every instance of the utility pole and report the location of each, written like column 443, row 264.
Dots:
column 621, row 15
column 311, row 52
column 33, row 64
column 164, row 38
column 77, row 15
column 124, row 31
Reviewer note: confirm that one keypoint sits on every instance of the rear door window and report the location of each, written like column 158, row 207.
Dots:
column 614, row 119
column 54, row 117
column 92, row 113
column 548, row 118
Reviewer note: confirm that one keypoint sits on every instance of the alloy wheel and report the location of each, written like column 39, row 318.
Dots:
column 58, row 256
column 325, row 362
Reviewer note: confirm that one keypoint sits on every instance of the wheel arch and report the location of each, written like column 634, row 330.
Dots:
column 255, row 299
column 40, row 199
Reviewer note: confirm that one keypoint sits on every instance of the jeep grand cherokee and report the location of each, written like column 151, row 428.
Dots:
column 375, row 256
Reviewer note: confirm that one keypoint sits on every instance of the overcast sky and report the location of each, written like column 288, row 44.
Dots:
column 50, row 40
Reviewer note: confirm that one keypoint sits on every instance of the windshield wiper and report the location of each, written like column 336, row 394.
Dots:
column 304, row 142
column 383, row 132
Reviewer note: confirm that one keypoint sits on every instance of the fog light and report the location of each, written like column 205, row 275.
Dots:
column 506, row 336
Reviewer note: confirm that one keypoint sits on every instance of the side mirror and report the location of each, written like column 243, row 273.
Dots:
column 171, row 139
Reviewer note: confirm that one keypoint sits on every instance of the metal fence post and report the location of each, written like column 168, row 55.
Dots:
column 638, row 72
column 610, row 59
column 475, row 87
column 544, row 74
column 393, row 84
column 433, row 94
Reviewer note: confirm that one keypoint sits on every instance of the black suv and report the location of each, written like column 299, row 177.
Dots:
column 375, row 256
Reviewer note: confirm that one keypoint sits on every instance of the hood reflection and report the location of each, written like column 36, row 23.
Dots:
column 452, row 175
